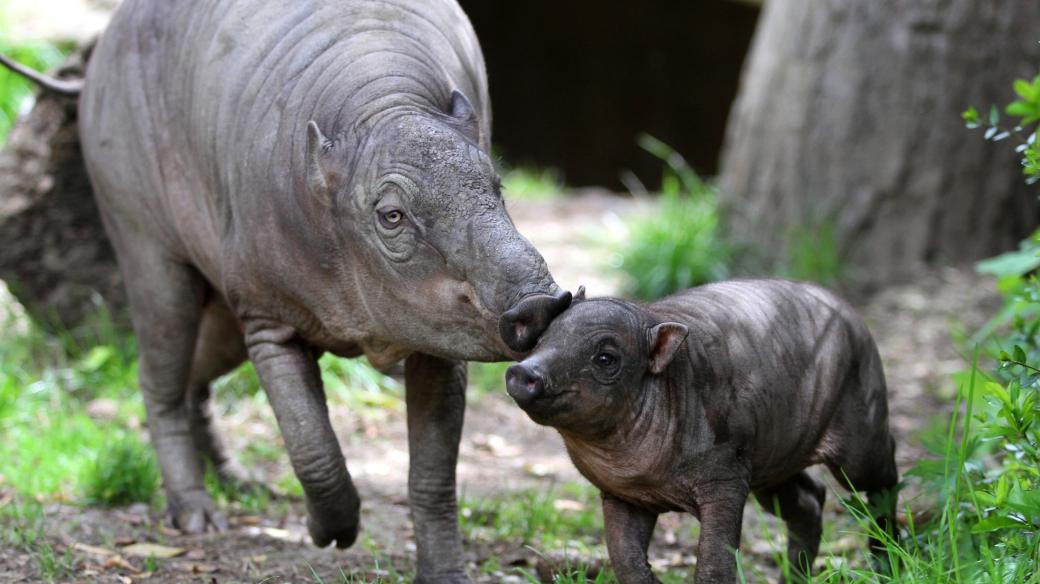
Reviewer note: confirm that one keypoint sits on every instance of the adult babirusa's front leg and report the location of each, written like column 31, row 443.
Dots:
column 289, row 374
column 629, row 530
column 436, row 401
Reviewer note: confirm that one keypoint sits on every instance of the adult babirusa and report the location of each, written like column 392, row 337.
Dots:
column 279, row 180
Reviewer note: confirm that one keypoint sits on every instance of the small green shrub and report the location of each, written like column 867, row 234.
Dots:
column 357, row 383
column 681, row 244
column 531, row 184
column 812, row 254
column 124, row 472
column 488, row 378
column 351, row 381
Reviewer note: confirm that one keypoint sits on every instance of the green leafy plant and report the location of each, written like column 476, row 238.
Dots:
column 680, row 245
column 1025, row 112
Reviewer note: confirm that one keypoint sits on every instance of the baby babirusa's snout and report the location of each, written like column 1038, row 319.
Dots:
column 524, row 383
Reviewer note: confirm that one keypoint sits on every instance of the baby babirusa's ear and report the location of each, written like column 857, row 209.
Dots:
column 665, row 340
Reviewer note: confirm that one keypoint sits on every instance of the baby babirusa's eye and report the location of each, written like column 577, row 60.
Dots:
column 604, row 359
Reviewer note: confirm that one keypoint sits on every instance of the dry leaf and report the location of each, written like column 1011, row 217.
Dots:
column 196, row 554
column 129, row 517
column 199, row 568
column 121, row 541
column 118, row 561
column 259, row 558
column 538, row 470
column 568, row 505
column 278, row 533
column 90, row 549
column 248, row 520
column 496, row 445
column 125, row 579
column 153, row 550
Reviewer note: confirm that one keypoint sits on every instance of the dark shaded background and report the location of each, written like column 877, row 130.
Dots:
column 574, row 82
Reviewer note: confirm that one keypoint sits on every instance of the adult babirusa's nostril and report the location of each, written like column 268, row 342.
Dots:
column 521, row 326
column 523, row 383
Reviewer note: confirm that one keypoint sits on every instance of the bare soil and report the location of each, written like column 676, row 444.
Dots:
column 502, row 451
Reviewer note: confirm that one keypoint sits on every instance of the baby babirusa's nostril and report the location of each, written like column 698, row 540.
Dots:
column 523, row 383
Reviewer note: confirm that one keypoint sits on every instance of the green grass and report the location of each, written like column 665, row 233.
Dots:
column 21, row 528
column 383, row 570
column 49, row 446
column 532, row 517
column 23, row 523
column 577, row 573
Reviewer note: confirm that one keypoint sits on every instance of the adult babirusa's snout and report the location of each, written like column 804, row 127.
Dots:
column 521, row 325
column 524, row 383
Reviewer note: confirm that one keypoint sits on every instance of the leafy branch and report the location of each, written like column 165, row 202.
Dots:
column 1027, row 111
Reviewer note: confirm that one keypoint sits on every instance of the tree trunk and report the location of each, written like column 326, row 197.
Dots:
column 848, row 118
column 54, row 254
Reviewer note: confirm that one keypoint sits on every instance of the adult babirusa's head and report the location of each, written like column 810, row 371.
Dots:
column 434, row 255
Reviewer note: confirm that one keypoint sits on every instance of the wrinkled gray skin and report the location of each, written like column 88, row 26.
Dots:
column 695, row 401
column 281, row 179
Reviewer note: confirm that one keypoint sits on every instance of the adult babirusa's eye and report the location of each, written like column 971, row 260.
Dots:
column 390, row 218
column 604, row 359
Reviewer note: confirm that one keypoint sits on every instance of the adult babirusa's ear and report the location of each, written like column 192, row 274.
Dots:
column 579, row 295
column 318, row 147
column 464, row 115
column 665, row 340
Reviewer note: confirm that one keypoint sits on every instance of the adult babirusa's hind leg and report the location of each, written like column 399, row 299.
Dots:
column 799, row 501
column 166, row 299
column 219, row 349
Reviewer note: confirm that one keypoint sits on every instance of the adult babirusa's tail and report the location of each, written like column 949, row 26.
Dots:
column 71, row 87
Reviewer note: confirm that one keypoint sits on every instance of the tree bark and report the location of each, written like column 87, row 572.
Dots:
column 54, row 254
column 848, row 117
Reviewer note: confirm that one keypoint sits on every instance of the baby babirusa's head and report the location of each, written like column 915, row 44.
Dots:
column 590, row 364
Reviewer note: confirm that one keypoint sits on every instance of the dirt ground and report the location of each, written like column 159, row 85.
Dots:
column 502, row 451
